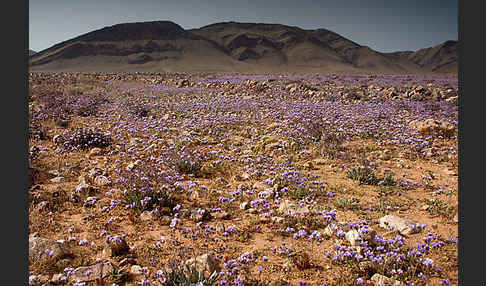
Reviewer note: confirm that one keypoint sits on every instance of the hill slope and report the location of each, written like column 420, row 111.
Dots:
column 232, row 47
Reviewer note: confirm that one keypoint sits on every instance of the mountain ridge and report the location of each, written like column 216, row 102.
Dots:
column 233, row 46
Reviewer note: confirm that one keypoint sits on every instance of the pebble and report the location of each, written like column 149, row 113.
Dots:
column 58, row 179
column 379, row 279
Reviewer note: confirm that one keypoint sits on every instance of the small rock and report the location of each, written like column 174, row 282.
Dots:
column 334, row 227
column 165, row 220
column 272, row 146
column 245, row 176
column 58, row 179
column 379, row 279
column 146, row 216
column 95, row 172
column 268, row 193
column 206, row 263
column 287, row 266
column 57, row 139
column 94, row 152
column 198, row 214
column 135, row 141
column 136, row 269
column 127, row 260
column 386, row 155
column 452, row 99
column 261, row 186
column 132, row 165
column 56, row 278
column 291, row 208
column 320, row 161
column 34, row 280
column 102, row 181
column 62, row 123
column 244, row 205
column 84, row 189
column 404, row 226
column 87, row 218
column 220, row 215
column 83, row 179
column 431, row 127
column 44, row 279
column 42, row 206
column 54, row 172
column 198, row 194
column 93, row 272
column 104, row 201
column 90, row 201
column 220, row 181
column 353, row 237
column 456, row 218
column 220, row 227
column 107, row 253
column 308, row 165
column 39, row 245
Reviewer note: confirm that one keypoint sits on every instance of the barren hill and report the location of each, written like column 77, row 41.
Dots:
column 441, row 58
column 232, row 47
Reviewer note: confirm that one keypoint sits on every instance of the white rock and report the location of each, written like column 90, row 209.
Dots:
column 39, row 245
column 102, row 181
column 58, row 179
column 404, row 226
column 353, row 237
column 92, row 272
column 379, row 279
column 146, row 216
column 206, row 263
column 334, row 227
column 136, row 269
column 289, row 207
column 244, row 205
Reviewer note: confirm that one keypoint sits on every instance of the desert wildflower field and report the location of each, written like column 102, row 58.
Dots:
column 232, row 179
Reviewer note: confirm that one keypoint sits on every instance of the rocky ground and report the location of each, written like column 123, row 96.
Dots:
column 208, row 179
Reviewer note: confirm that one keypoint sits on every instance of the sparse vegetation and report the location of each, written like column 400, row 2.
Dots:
column 85, row 138
column 364, row 175
column 281, row 187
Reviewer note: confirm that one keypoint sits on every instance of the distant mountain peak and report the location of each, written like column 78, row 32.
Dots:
column 136, row 31
column 232, row 46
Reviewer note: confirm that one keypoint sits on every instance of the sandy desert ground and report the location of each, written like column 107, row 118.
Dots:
column 234, row 179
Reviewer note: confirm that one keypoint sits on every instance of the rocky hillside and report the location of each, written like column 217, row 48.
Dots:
column 232, row 47
column 441, row 58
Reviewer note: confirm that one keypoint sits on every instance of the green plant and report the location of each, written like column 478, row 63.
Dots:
column 180, row 274
column 437, row 206
column 350, row 204
column 388, row 181
column 364, row 175
column 118, row 275
column 149, row 199
column 299, row 193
